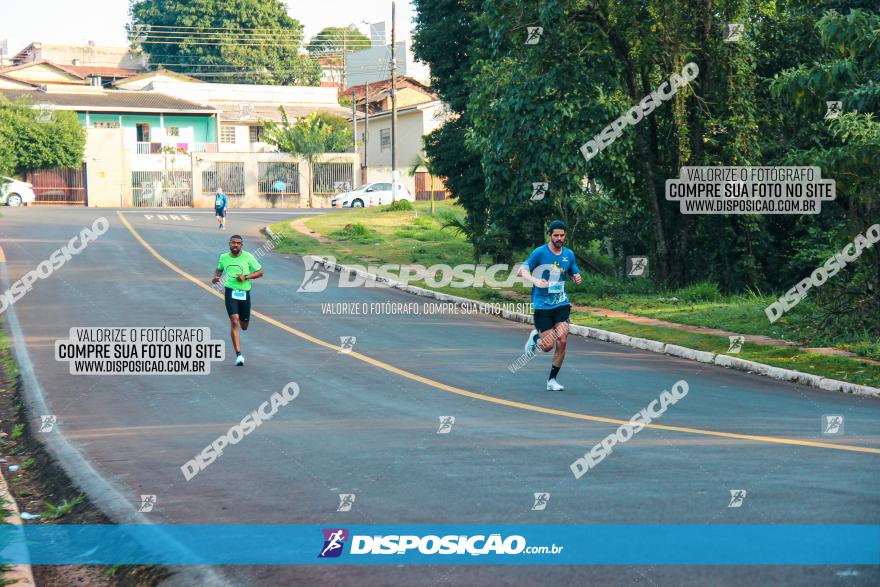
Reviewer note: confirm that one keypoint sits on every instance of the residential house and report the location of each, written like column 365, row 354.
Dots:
column 242, row 108
column 92, row 64
column 376, row 96
column 419, row 111
column 164, row 128
column 47, row 72
column 123, row 129
column 87, row 55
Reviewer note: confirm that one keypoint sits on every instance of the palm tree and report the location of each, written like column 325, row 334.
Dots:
column 318, row 133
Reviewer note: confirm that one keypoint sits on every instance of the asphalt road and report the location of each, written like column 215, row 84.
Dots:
column 366, row 423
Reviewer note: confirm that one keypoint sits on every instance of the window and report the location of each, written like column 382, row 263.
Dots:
column 172, row 131
column 256, row 133
column 227, row 134
column 385, row 139
column 105, row 124
column 143, row 132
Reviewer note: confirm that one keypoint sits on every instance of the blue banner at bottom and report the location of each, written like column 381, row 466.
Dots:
column 855, row 544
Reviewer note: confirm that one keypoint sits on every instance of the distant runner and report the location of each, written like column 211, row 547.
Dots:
column 220, row 208
column 549, row 300
column 240, row 267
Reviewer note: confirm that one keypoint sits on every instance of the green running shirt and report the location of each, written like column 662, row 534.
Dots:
column 244, row 264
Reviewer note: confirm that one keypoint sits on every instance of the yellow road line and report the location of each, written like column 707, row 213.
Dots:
column 489, row 398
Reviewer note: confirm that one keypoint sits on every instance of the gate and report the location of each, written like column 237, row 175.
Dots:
column 158, row 189
column 277, row 180
column 427, row 183
column 226, row 175
column 331, row 178
column 59, row 185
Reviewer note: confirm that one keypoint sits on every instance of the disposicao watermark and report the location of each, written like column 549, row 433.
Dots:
column 750, row 190
column 346, row 501
column 626, row 431
column 55, row 261
column 319, row 269
column 821, row 274
column 265, row 411
column 737, row 497
column 646, row 106
column 423, row 309
column 140, row 350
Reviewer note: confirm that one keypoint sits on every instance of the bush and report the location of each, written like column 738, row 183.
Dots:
column 702, row 291
column 399, row 206
column 448, row 215
column 423, row 234
column 356, row 233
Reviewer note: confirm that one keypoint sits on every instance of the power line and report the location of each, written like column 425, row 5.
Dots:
column 269, row 71
column 247, row 37
column 150, row 30
column 166, row 26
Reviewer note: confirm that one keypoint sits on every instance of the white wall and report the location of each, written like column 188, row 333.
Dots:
column 374, row 64
column 208, row 93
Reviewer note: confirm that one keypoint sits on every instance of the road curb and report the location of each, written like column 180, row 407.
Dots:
column 107, row 497
column 622, row 339
column 17, row 574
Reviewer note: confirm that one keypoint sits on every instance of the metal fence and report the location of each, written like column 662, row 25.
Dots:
column 277, row 181
column 59, row 185
column 331, row 178
column 226, row 175
column 161, row 188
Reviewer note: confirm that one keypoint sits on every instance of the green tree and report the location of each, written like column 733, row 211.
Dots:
column 450, row 38
column 233, row 41
column 318, row 133
column 31, row 139
column 848, row 71
column 337, row 40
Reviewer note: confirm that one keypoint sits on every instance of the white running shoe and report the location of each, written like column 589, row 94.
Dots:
column 239, row 361
column 553, row 385
column 532, row 343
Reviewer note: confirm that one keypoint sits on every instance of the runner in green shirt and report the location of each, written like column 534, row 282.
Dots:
column 240, row 267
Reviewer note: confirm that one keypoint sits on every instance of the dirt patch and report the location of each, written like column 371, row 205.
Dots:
column 300, row 226
column 40, row 480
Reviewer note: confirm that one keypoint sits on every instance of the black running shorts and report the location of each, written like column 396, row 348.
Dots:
column 240, row 307
column 546, row 319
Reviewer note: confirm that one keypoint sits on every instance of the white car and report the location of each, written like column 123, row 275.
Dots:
column 370, row 194
column 15, row 193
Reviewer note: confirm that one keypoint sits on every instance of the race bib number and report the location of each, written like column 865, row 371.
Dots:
column 218, row 203
column 238, row 294
column 556, row 288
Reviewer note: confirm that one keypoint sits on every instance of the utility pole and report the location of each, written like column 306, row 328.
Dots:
column 366, row 128
column 354, row 119
column 394, row 172
column 343, row 61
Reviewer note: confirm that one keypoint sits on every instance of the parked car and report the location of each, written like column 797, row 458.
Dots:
column 15, row 193
column 371, row 194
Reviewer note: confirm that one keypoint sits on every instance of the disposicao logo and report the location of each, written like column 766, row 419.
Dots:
column 334, row 540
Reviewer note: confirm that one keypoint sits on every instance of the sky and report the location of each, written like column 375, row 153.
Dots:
column 68, row 22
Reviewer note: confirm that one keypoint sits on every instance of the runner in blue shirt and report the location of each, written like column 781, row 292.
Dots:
column 547, row 268
column 220, row 208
